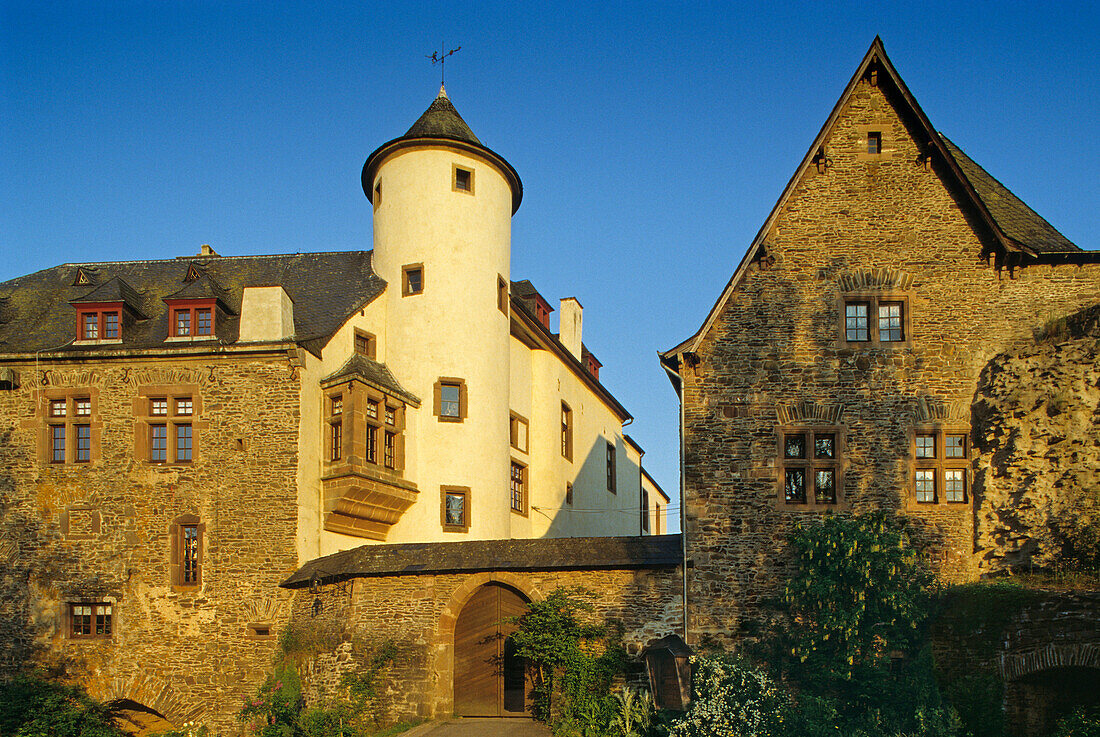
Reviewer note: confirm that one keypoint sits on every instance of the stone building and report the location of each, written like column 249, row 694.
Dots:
column 855, row 359
column 177, row 437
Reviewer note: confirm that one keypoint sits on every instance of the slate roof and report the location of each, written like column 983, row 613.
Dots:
column 1018, row 221
column 539, row 554
column 441, row 120
column 374, row 373
column 326, row 289
column 114, row 290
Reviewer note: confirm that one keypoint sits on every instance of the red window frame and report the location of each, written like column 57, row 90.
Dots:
column 194, row 309
column 100, row 310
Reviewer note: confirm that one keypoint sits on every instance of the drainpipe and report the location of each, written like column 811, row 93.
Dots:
column 677, row 381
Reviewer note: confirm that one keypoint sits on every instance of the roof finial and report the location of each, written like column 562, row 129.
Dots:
column 440, row 58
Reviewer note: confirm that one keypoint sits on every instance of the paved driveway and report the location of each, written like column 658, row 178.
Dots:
column 485, row 728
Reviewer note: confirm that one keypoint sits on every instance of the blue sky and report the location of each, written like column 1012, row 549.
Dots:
column 652, row 138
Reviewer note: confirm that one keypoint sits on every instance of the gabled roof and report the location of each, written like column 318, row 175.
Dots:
column 372, row 373
column 204, row 287
column 537, row 554
column 1003, row 216
column 326, row 288
column 113, row 290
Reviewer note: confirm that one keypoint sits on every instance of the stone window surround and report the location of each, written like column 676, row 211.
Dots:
column 839, row 433
column 873, row 298
column 259, row 631
column 887, row 144
column 66, row 617
column 514, row 421
column 175, row 549
column 406, row 291
column 354, row 418
column 525, row 484
column 939, row 464
column 444, row 491
column 144, row 418
column 70, row 421
column 437, row 398
column 455, row 169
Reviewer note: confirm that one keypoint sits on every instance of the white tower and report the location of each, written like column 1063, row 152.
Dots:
column 443, row 205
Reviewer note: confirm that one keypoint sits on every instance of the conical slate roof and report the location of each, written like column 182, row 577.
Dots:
column 441, row 120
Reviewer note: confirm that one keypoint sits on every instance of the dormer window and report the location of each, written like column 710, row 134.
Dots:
column 191, row 319
column 99, row 322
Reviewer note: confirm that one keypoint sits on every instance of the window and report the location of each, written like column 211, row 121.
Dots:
column 939, row 466
column 168, row 424
column 69, row 431
column 185, row 539
column 389, row 450
column 366, row 344
column 463, row 180
column 645, row 510
column 261, row 631
column 189, row 545
column 611, row 467
column 191, row 319
column 566, row 432
column 455, row 508
column 519, row 488
column 110, row 325
column 450, row 399
column 568, row 493
column 517, row 432
column 99, row 322
column 502, row 294
column 377, row 194
column 874, row 142
column 810, row 466
column 91, row 326
column 874, row 320
column 391, row 415
column 88, row 620
column 336, row 427
column 412, row 279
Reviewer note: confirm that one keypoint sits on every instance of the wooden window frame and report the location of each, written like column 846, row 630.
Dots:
column 99, row 310
column 363, row 339
column 810, row 465
column 71, row 622
column 566, row 432
column 515, row 421
column 524, row 488
column 336, row 436
column 645, row 510
column 73, row 411
column 177, row 552
column 612, row 467
column 939, row 464
column 192, row 309
column 502, row 294
column 437, row 394
column 569, row 493
column 182, row 405
column 469, row 171
column 444, row 493
column 873, row 300
column 406, row 290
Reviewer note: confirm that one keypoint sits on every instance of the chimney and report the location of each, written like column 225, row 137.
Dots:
column 267, row 314
column 206, row 250
column 569, row 325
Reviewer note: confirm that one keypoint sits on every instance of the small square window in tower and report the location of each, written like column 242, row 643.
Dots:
column 412, row 279
column 463, row 180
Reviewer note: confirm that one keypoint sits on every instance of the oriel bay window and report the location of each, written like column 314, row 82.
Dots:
column 940, row 466
column 364, row 426
column 810, row 467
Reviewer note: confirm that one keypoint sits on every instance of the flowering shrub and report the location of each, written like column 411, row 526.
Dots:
column 731, row 698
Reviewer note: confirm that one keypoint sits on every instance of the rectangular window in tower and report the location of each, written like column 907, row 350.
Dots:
column 611, row 467
column 412, row 279
column 455, row 508
column 189, row 545
column 566, row 432
column 463, row 180
column 519, row 488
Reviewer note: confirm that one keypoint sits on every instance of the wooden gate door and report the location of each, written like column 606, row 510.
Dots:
column 489, row 678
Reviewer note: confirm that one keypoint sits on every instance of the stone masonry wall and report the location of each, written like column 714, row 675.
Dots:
column 882, row 225
column 100, row 532
column 421, row 624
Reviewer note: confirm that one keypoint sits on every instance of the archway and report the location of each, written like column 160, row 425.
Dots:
column 1038, row 700
column 137, row 719
column 489, row 678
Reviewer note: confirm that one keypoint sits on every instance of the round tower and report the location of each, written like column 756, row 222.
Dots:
column 443, row 205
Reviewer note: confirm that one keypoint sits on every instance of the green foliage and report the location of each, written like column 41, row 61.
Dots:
column 279, row 710
column 574, row 662
column 981, row 611
column 634, row 713
column 189, row 729
column 733, row 699
column 977, row 697
column 858, row 593
column 31, row 706
column 1083, row 722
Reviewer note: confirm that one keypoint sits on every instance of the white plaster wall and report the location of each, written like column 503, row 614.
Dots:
column 452, row 329
column 267, row 313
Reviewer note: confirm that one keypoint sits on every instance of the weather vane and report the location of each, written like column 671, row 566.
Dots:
column 440, row 58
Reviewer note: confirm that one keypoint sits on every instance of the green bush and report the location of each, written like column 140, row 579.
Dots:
column 31, row 706
column 1084, row 722
column 733, row 699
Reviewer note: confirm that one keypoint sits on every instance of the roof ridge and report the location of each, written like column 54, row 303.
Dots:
column 209, row 259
